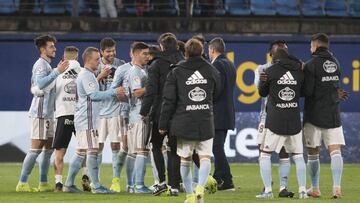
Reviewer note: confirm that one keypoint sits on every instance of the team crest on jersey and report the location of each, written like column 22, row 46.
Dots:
column 197, row 94
column 286, row 94
column 92, row 85
column 40, row 70
column 329, row 66
column 70, row 88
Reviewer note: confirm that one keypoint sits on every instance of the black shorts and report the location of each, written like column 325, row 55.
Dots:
column 64, row 130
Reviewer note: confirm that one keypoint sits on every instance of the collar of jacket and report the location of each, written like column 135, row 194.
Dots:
column 322, row 52
column 193, row 63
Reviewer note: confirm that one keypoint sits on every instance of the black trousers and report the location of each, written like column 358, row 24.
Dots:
column 222, row 171
column 157, row 144
column 174, row 176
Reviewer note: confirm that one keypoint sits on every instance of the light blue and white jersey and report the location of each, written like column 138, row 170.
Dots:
column 258, row 71
column 89, row 98
column 120, row 79
column 136, row 79
column 109, row 108
column 43, row 76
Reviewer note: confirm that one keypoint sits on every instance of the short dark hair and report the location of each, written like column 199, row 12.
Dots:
column 280, row 53
column 107, row 42
column 193, row 47
column 87, row 52
column 137, row 46
column 154, row 49
column 71, row 49
column 322, row 38
column 276, row 42
column 218, row 45
column 169, row 43
column 165, row 35
column 41, row 41
column 200, row 37
column 181, row 46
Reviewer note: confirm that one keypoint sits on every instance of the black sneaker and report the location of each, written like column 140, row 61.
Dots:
column 226, row 187
column 85, row 182
column 58, row 187
column 284, row 193
column 159, row 188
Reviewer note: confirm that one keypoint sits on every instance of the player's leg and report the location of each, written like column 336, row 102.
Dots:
column 174, row 176
column 129, row 143
column 284, row 171
column 44, row 162
column 185, row 151
column 103, row 130
column 222, row 172
column 294, row 145
column 76, row 164
column 334, row 139
column 142, row 153
column 312, row 137
column 113, row 135
column 28, row 165
column 205, row 152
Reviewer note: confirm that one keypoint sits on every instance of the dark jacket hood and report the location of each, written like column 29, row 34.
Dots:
column 290, row 63
column 170, row 56
column 322, row 52
column 193, row 63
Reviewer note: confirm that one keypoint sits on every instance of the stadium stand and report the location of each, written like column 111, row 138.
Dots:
column 335, row 8
column 287, row 7
column 354, row 8
column 312, row 8
column 237, row 7
column 262, row 7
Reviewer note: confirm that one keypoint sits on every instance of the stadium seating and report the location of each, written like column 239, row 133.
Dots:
column 354, row 8
column 57, row 6
column 88, row 7
column 237, row 7
column 287, row 7
column 262, row 7
column 335, row 8
column 312, row 8
column 165, row 7
column 208, row 8
column 9, row 7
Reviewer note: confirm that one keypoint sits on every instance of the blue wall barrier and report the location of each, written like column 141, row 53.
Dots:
column 18, row 54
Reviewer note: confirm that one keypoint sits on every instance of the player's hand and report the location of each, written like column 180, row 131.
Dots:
column 120, row 94
column 36, row 91
column 63, row 65
column 162, row 131
column 263, row 77
column 343, row 95
column 104, row 72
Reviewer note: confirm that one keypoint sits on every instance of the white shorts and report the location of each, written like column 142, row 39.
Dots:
column 124, row 123
column 261, row 133
column 332, row 136
column 42, row 129
column 185, row 148
column 136, row 138
column 87, row 139
column 274, row 142
column 109, row 127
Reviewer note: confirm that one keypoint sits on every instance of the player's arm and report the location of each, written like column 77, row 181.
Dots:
column 89, row 84
column 117, row 82
column 264, row 87
column 169, row 102
column 152, row 86
column 42, row 79
column 139, row 92
column 103, row 73
column 257, row 76
column 134, row 83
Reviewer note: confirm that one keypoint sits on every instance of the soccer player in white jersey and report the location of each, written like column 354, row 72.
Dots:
column 85, row 119
column 41, row 114
column 109, row 123
column 137, row 140
column 284, row 160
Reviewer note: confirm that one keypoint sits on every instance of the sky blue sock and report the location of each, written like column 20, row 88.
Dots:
column 115, row 163
column 28, row 164
column 300, row 171
column 92, row 164
column 265, row 170
column 336, row 167
column 314, row 170
column 99, row 162
column 44, row 165
column 130, row 162
column 140, row 164
column 195, row 174
column 186, row 176
column 74, row 168
column 121, row 160
column 284, row 170
column 204, row 171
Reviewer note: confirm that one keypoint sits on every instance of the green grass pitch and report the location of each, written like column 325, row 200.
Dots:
column 246, row 177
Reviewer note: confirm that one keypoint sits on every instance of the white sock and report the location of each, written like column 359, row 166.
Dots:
column 58, row 179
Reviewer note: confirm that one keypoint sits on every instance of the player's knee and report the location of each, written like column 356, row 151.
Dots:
column 36, row 151
column 334, row 148
column 265, row 155
column 314, row 151
column 81, row 152
column 204, row 158
column 186, row 162
column 335, row 152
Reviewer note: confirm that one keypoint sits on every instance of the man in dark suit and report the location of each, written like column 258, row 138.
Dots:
column 224, row 112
